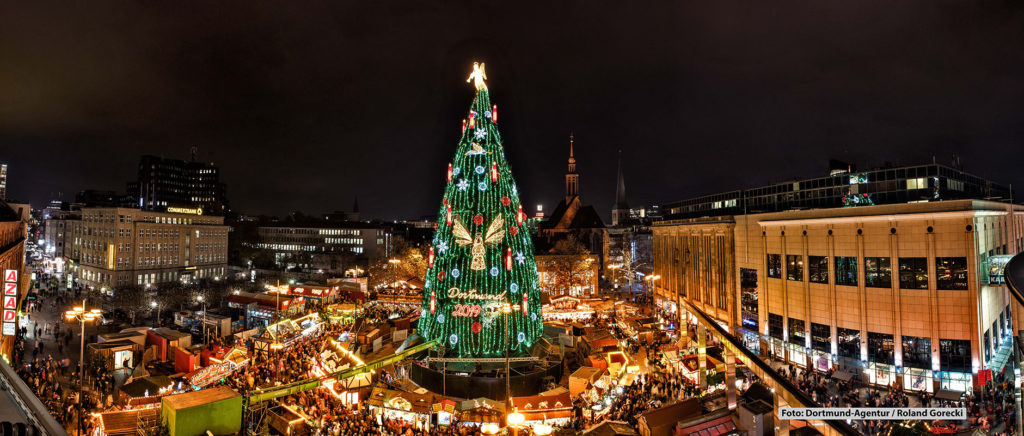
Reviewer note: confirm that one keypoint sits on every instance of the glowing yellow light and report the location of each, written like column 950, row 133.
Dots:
column 478, row 76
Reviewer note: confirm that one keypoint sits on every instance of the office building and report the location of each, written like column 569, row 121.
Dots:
column 3, row 182
column 119, row 247
column 170, row 184
column 909, row 294
column 323, row 247
column 845, row 187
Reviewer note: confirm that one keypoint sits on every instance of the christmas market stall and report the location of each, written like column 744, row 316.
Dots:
column 480, row 411
column 409, row 407
column 554, row 410
column 566, row 308
column 219, row 368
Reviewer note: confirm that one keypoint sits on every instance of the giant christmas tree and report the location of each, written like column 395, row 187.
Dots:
column 481, row 297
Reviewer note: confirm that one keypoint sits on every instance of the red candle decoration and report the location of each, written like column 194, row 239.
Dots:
column 463, row 126
column 519, row 216
column 449, row 172
column 494, row 171
column 430, row 258
column 494, row 113
column 448, row 219
column 508, row 258
column 472, row 121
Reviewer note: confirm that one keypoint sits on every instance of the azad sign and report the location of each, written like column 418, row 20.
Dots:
column 10, row 302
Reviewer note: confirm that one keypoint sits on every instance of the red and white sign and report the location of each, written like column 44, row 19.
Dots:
column 10, row 289
column 9, row 315
column 11, row 275
column 10, row 303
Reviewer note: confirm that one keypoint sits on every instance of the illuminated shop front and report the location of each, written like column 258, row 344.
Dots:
column 915, row 379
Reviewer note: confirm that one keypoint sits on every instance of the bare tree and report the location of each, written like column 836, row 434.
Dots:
column 409, row 262
column 568, row 265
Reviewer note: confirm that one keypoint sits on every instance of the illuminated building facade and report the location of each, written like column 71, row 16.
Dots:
column 910, row 294
column 119, row 247
column 331, row 247
column 846, row 187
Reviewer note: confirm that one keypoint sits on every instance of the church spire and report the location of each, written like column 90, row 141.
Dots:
column 572, row 179
column 620, row 213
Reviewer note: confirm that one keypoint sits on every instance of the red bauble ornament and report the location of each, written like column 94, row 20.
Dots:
column 506, row 201
column 440, row 275
column 512, row 230
column 477, row 327
column 478, row 220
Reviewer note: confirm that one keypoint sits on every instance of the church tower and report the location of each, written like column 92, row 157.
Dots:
column 572, row 178
column 620, row 214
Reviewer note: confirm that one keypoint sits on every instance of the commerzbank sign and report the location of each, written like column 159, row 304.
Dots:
column 186, row 210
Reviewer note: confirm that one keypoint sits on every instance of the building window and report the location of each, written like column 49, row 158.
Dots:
column 877, row 272
column 775, row 326
column 913, row 273
column 954, row 355
column 775, row 266
column 748, row 298
column 951, row 273
column 821, row 337
column 797, row 335
column 848, row 342
column 917, row 352
column 846, row 271
column 795, row 267
column 817, row 267
column 880, row 348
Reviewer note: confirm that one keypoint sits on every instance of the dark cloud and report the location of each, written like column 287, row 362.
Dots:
column 307, row 104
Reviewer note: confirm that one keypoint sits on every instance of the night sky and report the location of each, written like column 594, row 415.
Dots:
column 306, row 104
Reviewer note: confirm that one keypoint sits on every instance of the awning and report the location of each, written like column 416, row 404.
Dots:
column 842, row 375
column 944, row 394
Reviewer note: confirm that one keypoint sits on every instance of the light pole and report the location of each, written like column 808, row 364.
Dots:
column 202, row 300
column 82, row 315
column 507, row 309
column 157, row 308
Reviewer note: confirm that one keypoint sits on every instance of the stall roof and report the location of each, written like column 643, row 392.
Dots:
column 125, row 422
column 169, row 334
column 541, row 402
column 199, row 398
column 138, row 388
column 612, row 428
column 109, row 345
column 671, row 414
column 481, row 403
column 589, row 373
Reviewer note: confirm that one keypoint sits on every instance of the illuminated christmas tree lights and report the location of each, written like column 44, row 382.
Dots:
column 481, row 297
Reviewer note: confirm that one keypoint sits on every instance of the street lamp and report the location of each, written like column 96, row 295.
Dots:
column 514, row 420
column 155, row 306
column 489, row 428
column 542, row 429
column 202, row 300
column 82, row 316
